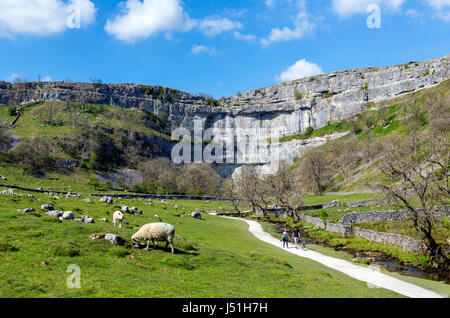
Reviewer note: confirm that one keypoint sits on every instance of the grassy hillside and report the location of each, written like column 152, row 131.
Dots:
column 353, row 158
column 215, row 257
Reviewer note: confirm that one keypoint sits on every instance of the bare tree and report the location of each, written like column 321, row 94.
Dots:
column 314, row 170
column 416, row 165
column 5, row 139
column 230, row 192
column 252, row 189
column 200, row 179
column 284, row 188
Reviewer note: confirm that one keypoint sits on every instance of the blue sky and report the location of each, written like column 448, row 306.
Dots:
column 213, row 46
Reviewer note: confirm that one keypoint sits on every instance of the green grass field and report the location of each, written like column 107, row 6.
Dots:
column 215, row 257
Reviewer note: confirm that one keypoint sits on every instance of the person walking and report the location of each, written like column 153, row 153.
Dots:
column 285, row 239
column 296, row 237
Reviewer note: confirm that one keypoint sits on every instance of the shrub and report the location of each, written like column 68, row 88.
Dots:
column 34, row 154
column 298, row 95
column 309, row 131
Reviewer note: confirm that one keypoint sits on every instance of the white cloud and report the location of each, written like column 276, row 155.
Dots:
column 300, row 69
column 441, row 8
column 198, row 49
column 140, row 20
column 302, row 27
column 47, row 79
column 346, row 8
column 12, row 77
column 244, row 37
column 41, row 17
column 215, row 25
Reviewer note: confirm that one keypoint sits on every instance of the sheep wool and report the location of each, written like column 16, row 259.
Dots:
column 118, row 217
column 160, row 232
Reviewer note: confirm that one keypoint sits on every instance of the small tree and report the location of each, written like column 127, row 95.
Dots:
column 230, row 192
column 314, row 170
column 416, row 164
column 5, row 139
column 284, row 188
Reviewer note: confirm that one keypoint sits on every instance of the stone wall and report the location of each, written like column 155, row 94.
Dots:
column 368, row 217
column 407, row 243
column 372, row 217
column 368, row 202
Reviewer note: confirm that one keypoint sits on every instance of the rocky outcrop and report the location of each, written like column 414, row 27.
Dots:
column 290, row 107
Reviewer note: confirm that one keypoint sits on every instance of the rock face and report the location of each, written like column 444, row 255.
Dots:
column 290, row 107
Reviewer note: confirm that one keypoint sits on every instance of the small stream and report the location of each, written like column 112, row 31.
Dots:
column 369, row 257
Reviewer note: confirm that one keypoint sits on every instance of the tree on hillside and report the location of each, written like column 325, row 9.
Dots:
column 252, row 189
column 5, row 139
column 314, row 170
column 416, row 162
column 284, row 188
column 230, row 192
column 161, row 173
column 200, row 179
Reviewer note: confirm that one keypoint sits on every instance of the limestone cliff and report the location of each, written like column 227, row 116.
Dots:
column 292, row 106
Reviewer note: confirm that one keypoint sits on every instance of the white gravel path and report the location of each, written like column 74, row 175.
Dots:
column 365, row 274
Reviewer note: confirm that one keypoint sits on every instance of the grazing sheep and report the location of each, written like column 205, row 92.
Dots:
column 118, row 217
column 160, row 232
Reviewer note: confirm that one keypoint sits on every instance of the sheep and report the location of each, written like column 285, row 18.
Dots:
column 160, row 232
column 118, row 217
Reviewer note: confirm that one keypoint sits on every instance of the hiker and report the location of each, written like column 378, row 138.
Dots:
column 285, row 238
column 296, row 237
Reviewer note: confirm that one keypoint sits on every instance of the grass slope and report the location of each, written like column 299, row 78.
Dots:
column 216, row 257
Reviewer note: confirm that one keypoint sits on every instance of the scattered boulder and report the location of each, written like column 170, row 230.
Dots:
column 112, row 238
column 56, row 214
column 125, row 209
column 8, row 191
column 27, row 211
column 108, row 200
column 104, row 219
column 68, row 215
column 73, row 196
column 88, row 201
column 3, row 178
column 196, row 215
column 88, row 220
column 47, row 207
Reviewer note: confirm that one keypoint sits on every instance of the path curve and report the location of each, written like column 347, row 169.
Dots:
column 365, row 274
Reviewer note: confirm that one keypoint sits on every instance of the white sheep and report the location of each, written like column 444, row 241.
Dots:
column 118, row 217
column 160, row 232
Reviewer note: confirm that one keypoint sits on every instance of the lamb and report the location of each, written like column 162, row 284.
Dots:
column 160, row 232
column 118, row 217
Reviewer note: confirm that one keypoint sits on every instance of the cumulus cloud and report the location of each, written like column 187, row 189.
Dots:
column 441, row 8
column 198, row 49
column 38, row 17
column 302, row 27
column 12, row 77
column 300, row 69
column 243, row 37
column 142, row 19
column 214, row 25
column 346, row 8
